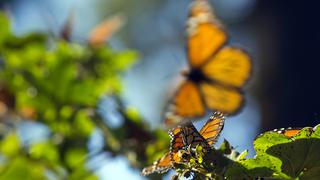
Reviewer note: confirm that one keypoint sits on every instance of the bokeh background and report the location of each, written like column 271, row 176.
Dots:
column 282, row 37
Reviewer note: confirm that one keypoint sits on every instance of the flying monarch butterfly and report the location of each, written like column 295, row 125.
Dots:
column 217, row 73
column 187, row 136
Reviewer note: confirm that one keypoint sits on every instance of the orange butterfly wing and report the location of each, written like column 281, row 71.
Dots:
column 221, row 98
column 288, row 132
column 291, row 132
column 188, row 101
column 166, row 161
column 177, row 147
column 160, row 166
column 194, row 138
column 230, row 67
column 187, row 135
column 213, row 127
column 184, row 136
column 205, row 36
column 103, row 31
column 177, row 139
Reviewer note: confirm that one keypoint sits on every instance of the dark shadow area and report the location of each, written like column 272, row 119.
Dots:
column 290, row 87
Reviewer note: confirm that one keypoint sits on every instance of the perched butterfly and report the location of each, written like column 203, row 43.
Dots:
column 217, row 73
column 184, row 137
column 288, row 132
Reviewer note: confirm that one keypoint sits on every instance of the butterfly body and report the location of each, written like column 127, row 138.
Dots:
column 196, row 75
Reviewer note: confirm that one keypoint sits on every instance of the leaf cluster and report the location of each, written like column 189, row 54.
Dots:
column 61, row 85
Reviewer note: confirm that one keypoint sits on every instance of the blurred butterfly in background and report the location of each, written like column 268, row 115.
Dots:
column 186, row 137
column 217, row 73
column 103, row 31
column 100, row 34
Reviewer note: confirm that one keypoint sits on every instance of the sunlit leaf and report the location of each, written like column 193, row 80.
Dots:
column 76, row 157
column 283, row 157
column 133, row 115
column 225, row 147
column 124, row 60
column 22, row 168
column 66, row 112
column 83, row 123
column 45, row 151
column 5, row 27
column 10, row 145
column 242, row 155
column 82, row 173
column 14, row 43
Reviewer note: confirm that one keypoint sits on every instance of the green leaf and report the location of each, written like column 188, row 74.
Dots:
column 300, row 157
column 14, row 43
column 82, row 173
column 279, row 156
column 76, row 157
column 45, row 150
column 10, row 145
column 5, row 27
column 124, row 60
column 225, row 147
column 316, row 132
column 242, row 155
column 66, row 112
column 83, row 123
column 250, row 168
column 134, row 115
column 22, row 168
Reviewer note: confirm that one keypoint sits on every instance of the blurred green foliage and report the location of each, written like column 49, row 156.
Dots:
column 61, row 84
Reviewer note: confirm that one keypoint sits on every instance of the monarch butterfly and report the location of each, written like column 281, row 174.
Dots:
column 288, row 132
column 185, row 136
column 217, row 73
